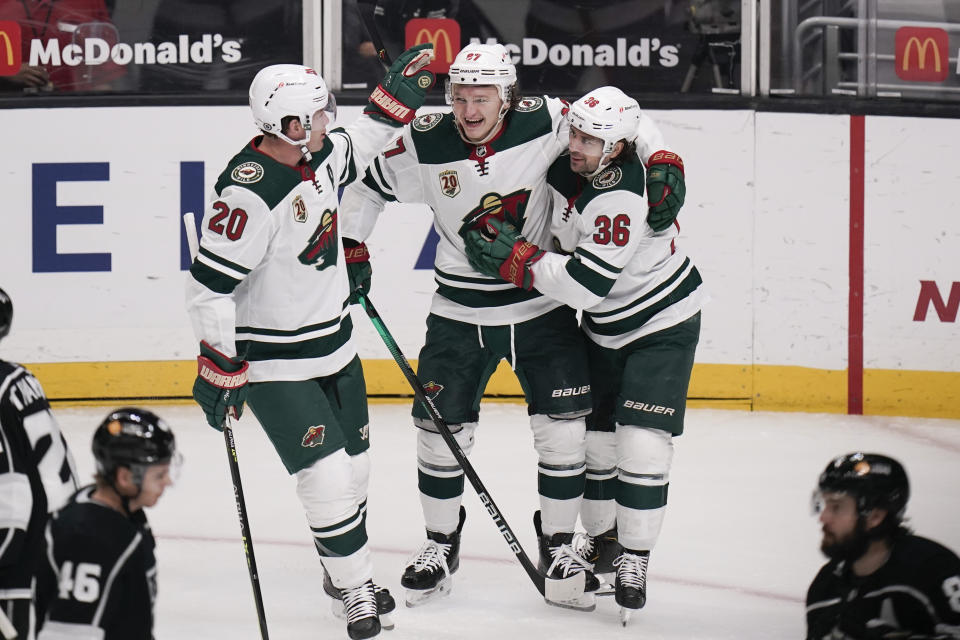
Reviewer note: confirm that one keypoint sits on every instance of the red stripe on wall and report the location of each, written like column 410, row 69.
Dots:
column 855, row 320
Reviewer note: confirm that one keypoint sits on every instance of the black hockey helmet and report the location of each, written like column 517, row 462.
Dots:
column 132, row 438
column 876, row 482
column 6, row 313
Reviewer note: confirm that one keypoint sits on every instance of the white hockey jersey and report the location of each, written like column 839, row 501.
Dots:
column 630, row 280
column 270, row 282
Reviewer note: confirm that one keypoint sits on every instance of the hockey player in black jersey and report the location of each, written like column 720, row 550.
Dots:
column 882, row 582
column 101, row 550
column 37, row 476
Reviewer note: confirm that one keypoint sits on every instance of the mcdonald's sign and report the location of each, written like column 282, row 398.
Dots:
column 10, row 54
column 444, row 33
column 922, row 54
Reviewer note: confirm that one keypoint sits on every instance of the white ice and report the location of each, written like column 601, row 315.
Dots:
column 737, row 551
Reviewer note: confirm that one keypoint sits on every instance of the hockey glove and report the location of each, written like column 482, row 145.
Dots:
column 404, row 88
column 666, row 189
column 221, row 385
column 500, row 246
column 359, row 270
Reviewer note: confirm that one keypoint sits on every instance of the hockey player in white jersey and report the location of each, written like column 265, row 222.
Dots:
column 641, row 298
column 268, row 298
column 489, row 157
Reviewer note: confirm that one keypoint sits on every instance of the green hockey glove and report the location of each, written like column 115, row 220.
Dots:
column 501, row 247
column 404, row 88
column 666, row 189
column 359, row 270
column 221, row 385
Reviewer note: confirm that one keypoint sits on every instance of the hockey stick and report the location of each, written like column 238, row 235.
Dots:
column 7, row 629
column 552, row 588
column 368, row 11
column 194, row 244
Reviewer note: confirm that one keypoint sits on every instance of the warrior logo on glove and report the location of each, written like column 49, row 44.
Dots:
column 510, row 208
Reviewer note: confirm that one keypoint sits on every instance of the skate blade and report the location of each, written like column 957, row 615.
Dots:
column 585, row 602
column 606, row 587
column 340, row 612
column 417, row 597
column 625, row 615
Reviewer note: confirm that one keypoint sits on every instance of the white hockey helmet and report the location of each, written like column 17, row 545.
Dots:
column 484, row 64
column 282, row 90
column 609, row 114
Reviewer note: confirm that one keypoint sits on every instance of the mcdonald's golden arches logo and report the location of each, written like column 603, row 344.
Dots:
column 10, row 54
column 922, row 54
column 444, row 33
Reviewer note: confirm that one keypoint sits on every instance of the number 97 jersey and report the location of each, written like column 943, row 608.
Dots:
column 100, row 581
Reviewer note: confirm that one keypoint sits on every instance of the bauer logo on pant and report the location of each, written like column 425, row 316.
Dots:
column 314, row 436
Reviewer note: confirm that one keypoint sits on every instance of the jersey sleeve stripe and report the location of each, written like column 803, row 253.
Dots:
column 596, row 283
column 592, row 257
column 666, row 285
column 16, row 502
column 375, row 180
column 108, row 584
column 213, row 279
column 223, row 264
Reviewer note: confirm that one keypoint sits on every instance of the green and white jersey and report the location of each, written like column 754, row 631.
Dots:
column 506, row 177
column 630, row 280
column 270, row 283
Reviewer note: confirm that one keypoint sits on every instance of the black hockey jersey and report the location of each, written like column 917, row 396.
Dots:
column 37, row 476
column 917, row 590
column 105, row 573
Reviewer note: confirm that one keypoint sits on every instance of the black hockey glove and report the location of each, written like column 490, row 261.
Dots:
column 404, row 88
column 221, row 385
column 666, row 189
column 359, row 269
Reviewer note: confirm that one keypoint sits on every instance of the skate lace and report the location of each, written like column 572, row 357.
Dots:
column 632, row 570
column 567, row 561
column 360, row 602
column 432, row 555
column 584, row 544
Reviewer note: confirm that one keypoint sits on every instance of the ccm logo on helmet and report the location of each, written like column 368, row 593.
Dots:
column 649, row 408
column 570, row 391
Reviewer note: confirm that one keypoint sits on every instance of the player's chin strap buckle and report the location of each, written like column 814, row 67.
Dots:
column 565, row 589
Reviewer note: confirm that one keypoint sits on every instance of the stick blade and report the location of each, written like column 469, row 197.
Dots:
column 565, row 589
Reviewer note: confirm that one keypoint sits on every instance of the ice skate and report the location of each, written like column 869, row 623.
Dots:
column 600, row 552
column 429, row 574
column 385, row 601
column 631, row 584
column 360, row 605
column 558, row 560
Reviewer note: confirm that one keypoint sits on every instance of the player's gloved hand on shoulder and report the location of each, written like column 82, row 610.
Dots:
column 666, row 189
column 221, row 385
column 499, row 250
column 404, row 88
column 359, row 269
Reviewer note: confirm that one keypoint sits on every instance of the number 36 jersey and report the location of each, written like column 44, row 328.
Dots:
column 104, row 573
column 270, row 282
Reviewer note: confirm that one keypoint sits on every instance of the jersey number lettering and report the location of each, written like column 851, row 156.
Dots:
column 951, row 589
column 234, row 225
column 617, row 231
column 397, row 148
column 83, row 585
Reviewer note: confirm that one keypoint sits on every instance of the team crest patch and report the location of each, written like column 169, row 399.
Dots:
column 608, row 178
column 299, row 209
column 247, row 173
column 314, row 436
column 427, row 121
column 529, row 104
column 449, row 183
column 432, row 389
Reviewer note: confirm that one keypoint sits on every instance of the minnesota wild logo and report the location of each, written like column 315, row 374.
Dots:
column 321, row 250
column 314, row 436
column 432, row 389
column 510, row 208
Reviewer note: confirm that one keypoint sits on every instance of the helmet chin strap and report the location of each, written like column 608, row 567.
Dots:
column 600, row 167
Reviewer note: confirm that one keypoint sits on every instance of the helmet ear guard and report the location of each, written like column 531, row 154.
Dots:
column 289, row 90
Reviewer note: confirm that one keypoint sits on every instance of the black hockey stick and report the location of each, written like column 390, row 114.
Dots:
column 244, row 525
column 194, row 244
column 553, row 589
column 368, row 15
